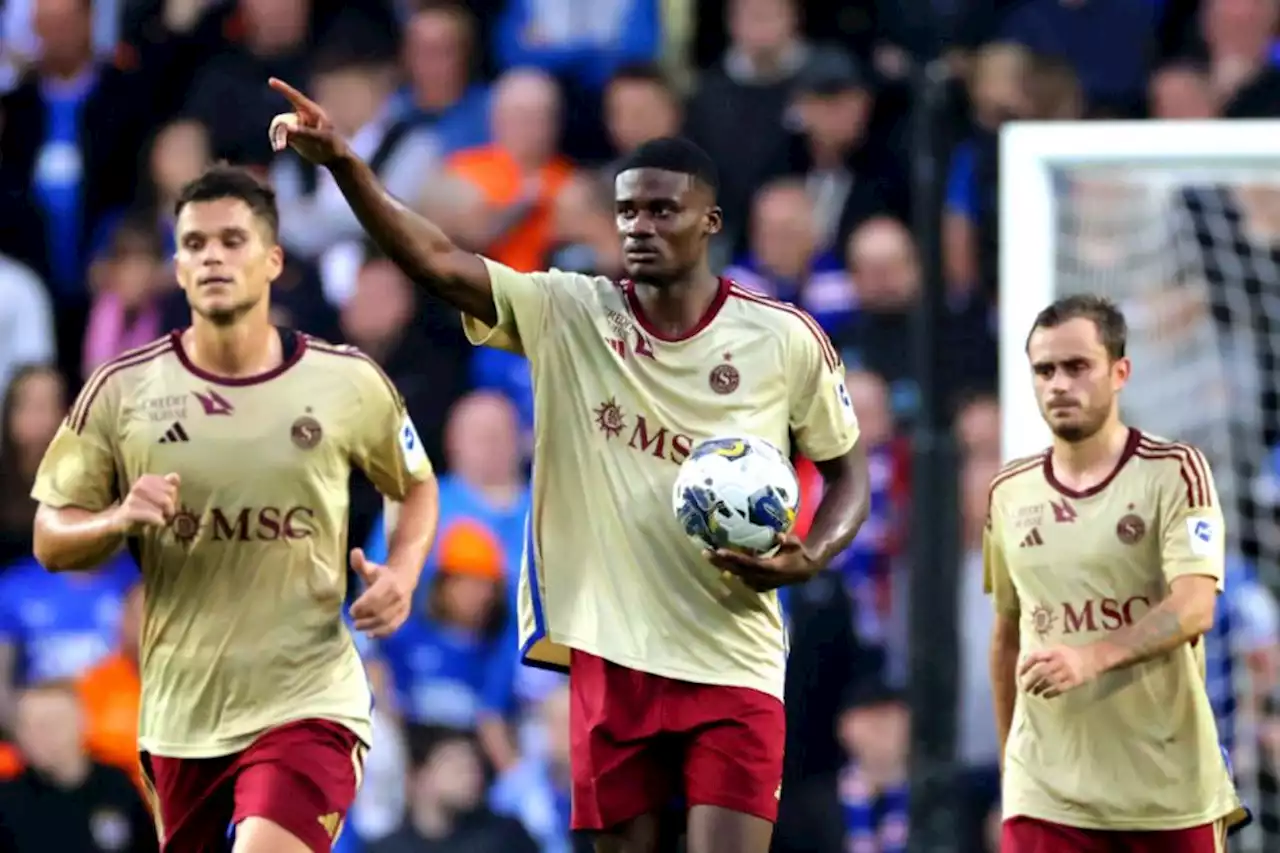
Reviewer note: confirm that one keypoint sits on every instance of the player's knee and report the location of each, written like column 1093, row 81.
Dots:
column 260, row 835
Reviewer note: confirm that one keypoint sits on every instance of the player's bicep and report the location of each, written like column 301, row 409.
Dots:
column 821, row 416
column 522, row 304
column 463, row 280
column 1192, row 535
column 79, row 466
column 387, row 446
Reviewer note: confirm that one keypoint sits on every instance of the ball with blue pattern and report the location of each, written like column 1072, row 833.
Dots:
column 736, row 492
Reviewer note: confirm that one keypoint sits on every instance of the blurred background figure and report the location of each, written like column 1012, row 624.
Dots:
column 129, row 284
column 110, row 695
column 26, row 321
column 63, row 799
column 35, row 402
column 447, row 810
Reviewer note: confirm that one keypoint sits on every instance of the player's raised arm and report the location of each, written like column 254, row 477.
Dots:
column 82, row 521
column 416, row 245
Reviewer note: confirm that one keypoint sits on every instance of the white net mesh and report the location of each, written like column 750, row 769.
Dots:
column 1193, row 258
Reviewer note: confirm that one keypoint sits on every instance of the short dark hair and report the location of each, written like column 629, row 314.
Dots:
column 225, row 181
column 1102, row 312
column 673, row 154
column 642, row 72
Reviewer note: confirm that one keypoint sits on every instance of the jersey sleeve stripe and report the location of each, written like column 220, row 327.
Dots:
column 1015, row 469
column 351, row 352
column 79, row 414
column 1191, row 468
column 829, row 353
column 1195, row 467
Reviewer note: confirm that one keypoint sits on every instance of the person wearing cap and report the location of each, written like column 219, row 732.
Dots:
column 848, row 181
column 447, row 665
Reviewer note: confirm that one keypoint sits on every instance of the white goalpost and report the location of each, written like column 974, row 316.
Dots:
column 1179, row 224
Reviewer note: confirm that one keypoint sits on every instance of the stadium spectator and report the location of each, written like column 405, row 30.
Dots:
column 179, row 152
column 1238, row 37
column 127, row 281
column 585, row 237
column 501, row 194
column 441, row 93
column 786, row 260
column 873, row 785
column 582, row 49
column 536, row 791
column 848, row 177
column 56, row 626
column 639, row 104
column 997, row 91
column 448, row 665
column 71, row 134
column 977, row 427
column 447, row 811
column 354, row 81
column 64, row 800
column 26, row 321
column 1182, row 90
column 110, row 695
column 34, row 404
column 736, row 113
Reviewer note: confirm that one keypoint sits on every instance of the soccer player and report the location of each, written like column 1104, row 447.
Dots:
column 676, row 662
column 1104, row 556
column 220, row 456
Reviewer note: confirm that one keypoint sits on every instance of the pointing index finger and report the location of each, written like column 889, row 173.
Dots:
column 301, row 103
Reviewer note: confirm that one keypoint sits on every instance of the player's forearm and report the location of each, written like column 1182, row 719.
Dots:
column 414, row 243
column 1172, row 622
column 71, row 539
column 1005, row 648
column 845, row 505
column 412, row 528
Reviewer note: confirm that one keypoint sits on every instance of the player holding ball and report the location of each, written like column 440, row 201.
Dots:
column 676, row 673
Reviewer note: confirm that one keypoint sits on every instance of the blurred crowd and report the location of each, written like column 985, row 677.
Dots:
column 500, row 119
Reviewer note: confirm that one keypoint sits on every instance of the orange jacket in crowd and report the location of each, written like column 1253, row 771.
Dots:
column 524, row 248
column 111, row 692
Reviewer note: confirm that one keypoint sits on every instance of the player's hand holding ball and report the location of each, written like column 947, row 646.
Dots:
column 385, row 603
column 736, row 498
column 306, row 130
column 1053, row 671
column 150, row 503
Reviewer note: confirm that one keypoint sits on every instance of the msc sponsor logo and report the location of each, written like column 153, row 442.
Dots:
column 642, row 434
column 245, row 524
column 1089, row 616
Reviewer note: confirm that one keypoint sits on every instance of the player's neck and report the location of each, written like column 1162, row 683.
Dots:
column 1082, row 464
column 234, row 351
column 680, row 306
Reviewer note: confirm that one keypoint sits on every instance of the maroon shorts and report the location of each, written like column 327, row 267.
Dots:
column 302, row 776
column 641, row 741
column 1028, row 835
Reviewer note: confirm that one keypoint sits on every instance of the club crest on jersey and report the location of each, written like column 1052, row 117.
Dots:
column 306, row 432
column 1042, row 618
column 1131, row 529
column 724, row 378
column 185, row 525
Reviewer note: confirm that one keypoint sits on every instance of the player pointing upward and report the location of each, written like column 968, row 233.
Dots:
column 676, row 673
column 1104, row 557
column 221, row 455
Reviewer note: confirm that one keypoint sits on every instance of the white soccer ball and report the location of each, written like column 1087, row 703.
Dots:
column 736, row 492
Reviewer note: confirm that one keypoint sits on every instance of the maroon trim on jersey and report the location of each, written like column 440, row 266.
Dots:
column 291, row 359
column 79, row 415
column 629, row 290
column 829, row 353
column 1191, row 466
column 344, row 351
column 1130, row 448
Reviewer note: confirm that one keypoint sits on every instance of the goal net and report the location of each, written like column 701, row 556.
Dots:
column 1178, row 223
